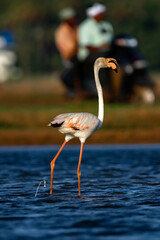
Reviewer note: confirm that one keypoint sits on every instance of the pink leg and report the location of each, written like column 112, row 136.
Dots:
column 78, row 169
column 53, row 164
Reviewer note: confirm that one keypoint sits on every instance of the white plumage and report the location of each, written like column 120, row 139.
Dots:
column 80, row 125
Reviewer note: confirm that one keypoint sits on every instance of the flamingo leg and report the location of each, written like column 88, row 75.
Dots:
column 78, row 169
column 53, row 165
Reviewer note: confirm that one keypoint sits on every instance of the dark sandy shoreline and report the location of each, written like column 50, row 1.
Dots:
column 39, row 137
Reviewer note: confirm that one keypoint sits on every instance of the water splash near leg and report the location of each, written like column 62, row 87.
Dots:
column 45, row 182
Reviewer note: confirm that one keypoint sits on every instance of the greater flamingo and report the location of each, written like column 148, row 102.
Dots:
column 82, row 125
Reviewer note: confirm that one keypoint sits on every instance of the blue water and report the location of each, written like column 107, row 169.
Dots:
column 120, row 193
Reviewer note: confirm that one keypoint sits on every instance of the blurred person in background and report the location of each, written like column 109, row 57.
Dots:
column 67, row 44
column 95, row 35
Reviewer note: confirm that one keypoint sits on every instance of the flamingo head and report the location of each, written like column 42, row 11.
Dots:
column 107, row 63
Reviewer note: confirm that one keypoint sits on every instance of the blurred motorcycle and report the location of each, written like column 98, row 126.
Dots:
column 135, row 84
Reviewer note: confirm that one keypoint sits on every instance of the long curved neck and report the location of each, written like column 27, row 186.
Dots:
column 100, row 93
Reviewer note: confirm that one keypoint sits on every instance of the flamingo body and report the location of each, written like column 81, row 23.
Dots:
column 79, row 125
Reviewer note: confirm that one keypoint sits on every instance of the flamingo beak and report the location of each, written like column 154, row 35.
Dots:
column 112, row 63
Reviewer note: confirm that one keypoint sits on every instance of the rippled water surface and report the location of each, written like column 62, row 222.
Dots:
column 120, row 193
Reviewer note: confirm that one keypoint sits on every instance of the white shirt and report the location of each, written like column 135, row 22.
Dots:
column 93, row 33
